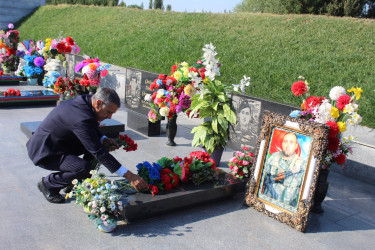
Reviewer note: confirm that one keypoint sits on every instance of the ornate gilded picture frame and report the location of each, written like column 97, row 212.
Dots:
column 288, row 156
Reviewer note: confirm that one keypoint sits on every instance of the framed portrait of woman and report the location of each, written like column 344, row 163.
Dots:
column 288, row 157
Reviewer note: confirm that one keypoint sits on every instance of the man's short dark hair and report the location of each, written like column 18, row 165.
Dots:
column 108, row 96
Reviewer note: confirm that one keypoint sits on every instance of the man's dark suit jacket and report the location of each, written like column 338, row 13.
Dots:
column 70, row 128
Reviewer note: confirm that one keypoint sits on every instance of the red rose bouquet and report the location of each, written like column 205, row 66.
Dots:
column 127, row 143
column 58, row 48
column 67, row 87
column 167, row 173
column 337, row 112
column 12, row 92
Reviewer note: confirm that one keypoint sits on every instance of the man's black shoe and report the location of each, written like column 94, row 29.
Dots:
column 68, row 189
column 53, row 198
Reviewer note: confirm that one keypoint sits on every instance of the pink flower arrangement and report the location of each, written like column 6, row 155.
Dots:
column 92, row 71
column 240, row 165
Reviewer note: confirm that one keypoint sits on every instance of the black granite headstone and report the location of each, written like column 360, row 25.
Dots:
column 144, row 205
column 109, row 127
column 137, row 86
column 249, row 111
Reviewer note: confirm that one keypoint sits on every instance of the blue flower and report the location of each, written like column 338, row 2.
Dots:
column 55, row 74
column 153, row 171
column 29, row 71
column 295, row 113
column 139, row 166
column 157, row 166
column 38, row 70
column 28, row 58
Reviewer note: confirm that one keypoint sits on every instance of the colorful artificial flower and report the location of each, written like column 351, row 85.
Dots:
column 342, row 101
column 241, row 164
column 337, row 112
column 127, row 143
column 336, row 92
column 357, row 92
column 173, row 93
column 99, row 197
column 299, row 88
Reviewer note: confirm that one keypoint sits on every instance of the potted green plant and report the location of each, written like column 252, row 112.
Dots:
column 214, row 104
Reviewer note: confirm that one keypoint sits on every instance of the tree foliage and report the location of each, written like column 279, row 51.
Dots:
column 85, row 2
column 158, row 4
column 353, row 8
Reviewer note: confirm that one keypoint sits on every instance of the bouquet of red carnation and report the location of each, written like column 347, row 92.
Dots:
column 202, row 168
column 127, row 143
column 168, row 179
column 12, row 92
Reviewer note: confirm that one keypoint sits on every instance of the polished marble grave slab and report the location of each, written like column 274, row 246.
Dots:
column 144, row 205
column 30, row 97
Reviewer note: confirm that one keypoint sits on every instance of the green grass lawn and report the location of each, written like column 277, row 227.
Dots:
column 272, row 49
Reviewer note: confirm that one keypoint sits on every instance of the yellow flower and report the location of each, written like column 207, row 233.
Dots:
column 335, row 113
column 184, row 64
column 190, row 90
column 177, row 75
column 357, row 92
column 186, row 73
column 205, row 80
column 94, row 184
column 48, row 40
column 342, row 126
column 175, row 100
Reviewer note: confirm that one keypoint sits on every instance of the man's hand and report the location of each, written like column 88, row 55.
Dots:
column 279, row 176
column 136, row 181
column 110, row 144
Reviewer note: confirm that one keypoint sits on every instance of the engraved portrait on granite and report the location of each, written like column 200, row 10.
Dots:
column 245, row 132
column 133, row 88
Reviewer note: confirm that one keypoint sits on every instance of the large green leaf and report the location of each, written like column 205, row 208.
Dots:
column 232, row 117
column 221, row 97
column 165, row 162
column 223, row 122
column 178, row 170
column 215, row 105
column 214, row 124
